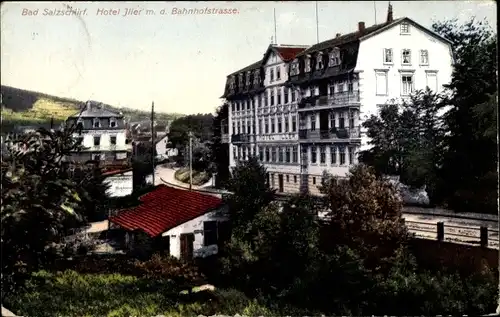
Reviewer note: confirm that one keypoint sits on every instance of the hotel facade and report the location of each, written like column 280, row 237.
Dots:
column 300, row 109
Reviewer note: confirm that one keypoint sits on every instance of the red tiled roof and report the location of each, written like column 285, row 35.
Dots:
column 288, row 53
column 165, row 208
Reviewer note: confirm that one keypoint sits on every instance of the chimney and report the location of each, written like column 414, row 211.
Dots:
column 338, row 35
column 361, row 26
column 389, row 14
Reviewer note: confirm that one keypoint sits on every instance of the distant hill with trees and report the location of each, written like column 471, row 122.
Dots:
column 24, row 107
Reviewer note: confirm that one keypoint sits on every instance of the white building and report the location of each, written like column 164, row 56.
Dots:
column 340, row 83
column 103, row 135
column 183, row 223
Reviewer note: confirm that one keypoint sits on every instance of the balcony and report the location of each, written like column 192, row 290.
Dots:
column 240, row 138
column 330, row 134
column 331, row 101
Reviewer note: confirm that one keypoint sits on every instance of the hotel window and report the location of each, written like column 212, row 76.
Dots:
column 112, row 123
column 313, row 155
column 266, row 125
column 288, row 154
column 388, row 58
column 295, row 154
column 287, row 124
column 381, row 83
column 313, row 122
column 279, row 124
column 319, row 64
column 406, row 57
column 112, row 140
column 432, row 81
column 405, row 28
column 272, row 97
column 97, row 140
column 342, row 155
column 322, row 154
column 406, row 85
column 351, row 155
column 273, row 125
column 249, row 128
column 268, row 156
column 340, row 87
column 280, row 154
column 96, row 123
column 271, row 75
column 294, row 123
column 293, row 96
column 307, row 64
column 285, row 92
column 424, row 57
column 261, row 154
column 333, row 155
column 273, row 154
column 341, row 120
column 234, row 128
column 278, row 73
column 243, row 127
column 279, row 97
column 266, row 103
column 351, row 119
column 261, row 126
column 332, row 120
column 238, row 124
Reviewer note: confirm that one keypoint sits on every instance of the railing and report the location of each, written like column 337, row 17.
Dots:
column 335, row 100
column 241, row 137
column 334, row 133
column 471, row 235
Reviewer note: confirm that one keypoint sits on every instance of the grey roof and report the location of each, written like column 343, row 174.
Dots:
column 95, row 109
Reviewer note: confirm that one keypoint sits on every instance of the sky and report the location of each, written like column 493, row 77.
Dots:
column 179, row 61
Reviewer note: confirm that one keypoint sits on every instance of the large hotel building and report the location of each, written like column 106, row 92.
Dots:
column 300, row 109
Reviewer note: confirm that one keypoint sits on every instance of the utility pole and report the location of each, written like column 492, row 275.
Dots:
column 153, row 146
column 190, row 160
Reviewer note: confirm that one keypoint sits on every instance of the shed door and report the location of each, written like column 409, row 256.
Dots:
column 187, row 240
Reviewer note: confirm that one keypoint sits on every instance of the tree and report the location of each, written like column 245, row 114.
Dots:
column 37, row 199
column 365, row 214
column 407, row 141
column 470, row 160
column 250, row 192
column 220, row 151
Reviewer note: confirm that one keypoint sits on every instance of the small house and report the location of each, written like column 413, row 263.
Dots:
column 181, row 223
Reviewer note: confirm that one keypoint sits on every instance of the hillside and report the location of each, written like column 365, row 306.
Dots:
column 24, row 107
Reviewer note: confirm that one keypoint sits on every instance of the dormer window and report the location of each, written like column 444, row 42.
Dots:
column 96, row 123
column 319, row 61
column 248, row 79
column 112, row 123
column 334, row 58
column 307, row 64
column 294, row 70
column 271, row 75
column 79, row 124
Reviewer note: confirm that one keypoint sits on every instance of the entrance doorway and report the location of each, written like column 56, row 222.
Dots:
column 187, row 240
column 280, row 183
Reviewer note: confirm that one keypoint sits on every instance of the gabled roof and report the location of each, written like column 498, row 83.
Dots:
column 165, row 208
column 346, row 38
column 285, row 52
column 95, row 109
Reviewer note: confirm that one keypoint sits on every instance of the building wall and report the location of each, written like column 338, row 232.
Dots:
column 194, row 226
column 371, row 62
column 120, row 185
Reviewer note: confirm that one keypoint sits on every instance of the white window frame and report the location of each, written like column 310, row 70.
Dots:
column 421, row 55
column 405, row 28
column 111, row 121
column 278, row 72
column 403, row 75
column 94, row 121
column 271, row 75
column 385, row 74
column 319, row 61
column 403, row 51
column 385, row 52
column 432, row 74
column 307, row 64
column 334, row 59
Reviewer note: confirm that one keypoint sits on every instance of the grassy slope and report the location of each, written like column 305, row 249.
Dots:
column 24, row 107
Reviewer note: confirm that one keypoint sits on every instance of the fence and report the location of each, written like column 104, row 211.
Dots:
column 481, row 236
